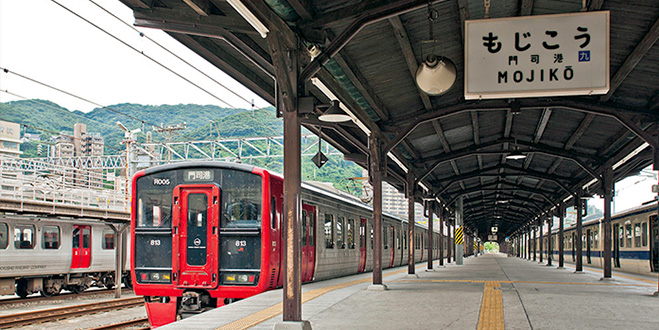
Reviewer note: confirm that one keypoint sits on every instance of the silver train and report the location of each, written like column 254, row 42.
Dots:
column 634, row 241
column 40, row 254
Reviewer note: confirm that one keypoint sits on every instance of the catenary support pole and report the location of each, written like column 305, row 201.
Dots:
column 607, row 185
column 579, row 236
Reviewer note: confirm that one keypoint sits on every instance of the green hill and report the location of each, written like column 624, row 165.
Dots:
column 48, row 119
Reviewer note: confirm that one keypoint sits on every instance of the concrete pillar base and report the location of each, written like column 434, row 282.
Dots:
column 541, row 262
column 430, row 270
column 377, row 287
column 293, row 325
column 656, row 294
column 411, row 276
column 549, row 265
column 607, row 279
column 560, row 267
column 579, row 272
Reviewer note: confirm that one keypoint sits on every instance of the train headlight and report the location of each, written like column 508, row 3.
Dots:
column 239, row 279
column 155, row 277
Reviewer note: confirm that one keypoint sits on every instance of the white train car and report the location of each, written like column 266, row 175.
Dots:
column 46, row 255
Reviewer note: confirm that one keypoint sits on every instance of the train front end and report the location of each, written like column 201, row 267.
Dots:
column 197, row 238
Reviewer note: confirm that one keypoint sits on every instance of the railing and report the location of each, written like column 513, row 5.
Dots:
column 30, row 186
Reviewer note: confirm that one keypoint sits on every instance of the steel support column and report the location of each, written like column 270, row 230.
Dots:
column 535, row 244
column 441, row 214
column 376, row 170
column 118, row 256
column 607, row 185
column 579, row 235
column 550, row 245
column 459, row 248
column 561, row 242
column 431, row 251
column 540, row 241
column 449, row 244
column 411, row 222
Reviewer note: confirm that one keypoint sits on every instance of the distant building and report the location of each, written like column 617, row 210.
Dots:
column 31, row 137
column 81, row 144
column 10, row 139
column 395, row 203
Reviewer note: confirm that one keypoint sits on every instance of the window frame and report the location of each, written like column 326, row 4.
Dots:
column 43, row 237
column 104, row 241
column 329, row 235
column 637, row 234
column 21, row 228
column 6, row 236
column 340, row 232
column 351, row 233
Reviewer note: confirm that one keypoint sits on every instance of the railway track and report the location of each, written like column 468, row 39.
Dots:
column 131, row 323
column 54, row 314
column 59, row 296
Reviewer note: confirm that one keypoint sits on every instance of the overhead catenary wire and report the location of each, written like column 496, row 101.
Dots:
column 5, row 70
column 143, row 35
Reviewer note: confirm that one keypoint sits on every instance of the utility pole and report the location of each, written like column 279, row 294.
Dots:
column 168, row 133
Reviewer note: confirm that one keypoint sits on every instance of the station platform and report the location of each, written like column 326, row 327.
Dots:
column 491, row 291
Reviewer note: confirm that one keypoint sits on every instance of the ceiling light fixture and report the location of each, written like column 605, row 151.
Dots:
column 515, row 154
column 436, row 75
column 249, row 17
column 334, row 114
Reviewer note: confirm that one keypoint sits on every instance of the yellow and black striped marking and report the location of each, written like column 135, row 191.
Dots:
column 458, row 235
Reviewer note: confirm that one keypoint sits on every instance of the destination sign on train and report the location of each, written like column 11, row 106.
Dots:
column 198, row 175
column 548, row 55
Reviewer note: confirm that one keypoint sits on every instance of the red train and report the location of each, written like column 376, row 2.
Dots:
column 207, row 233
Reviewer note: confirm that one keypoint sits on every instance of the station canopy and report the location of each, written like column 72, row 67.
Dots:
column 366, row 55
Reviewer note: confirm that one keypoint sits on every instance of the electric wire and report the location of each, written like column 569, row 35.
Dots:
column 145, row 55
column 56, row 108
column 142, row 34
column 5, row 70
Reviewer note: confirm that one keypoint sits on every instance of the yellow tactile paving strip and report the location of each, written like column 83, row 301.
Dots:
column 491, row 315
column 272, row 311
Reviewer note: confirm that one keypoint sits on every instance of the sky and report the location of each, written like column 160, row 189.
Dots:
column 43, row 41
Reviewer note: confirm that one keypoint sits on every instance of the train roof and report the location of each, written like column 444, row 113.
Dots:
column 310, row 186
column 618, row 215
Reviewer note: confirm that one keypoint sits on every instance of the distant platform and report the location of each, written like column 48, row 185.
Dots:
column 489, row 292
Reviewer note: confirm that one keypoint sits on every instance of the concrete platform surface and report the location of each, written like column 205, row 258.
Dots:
column 490, row 292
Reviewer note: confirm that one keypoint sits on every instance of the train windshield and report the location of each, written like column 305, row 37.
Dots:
column 241, row 199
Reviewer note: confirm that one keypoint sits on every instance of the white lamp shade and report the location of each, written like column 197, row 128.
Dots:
column 435, row 77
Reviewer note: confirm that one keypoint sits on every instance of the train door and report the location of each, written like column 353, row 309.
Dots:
column 308, row 242
column 82, row 246
column 654, row 243
column 362, row 245
column 574, row 244
column 589, row 240
column 196, row 212
column 616, row 246
column 392, row 248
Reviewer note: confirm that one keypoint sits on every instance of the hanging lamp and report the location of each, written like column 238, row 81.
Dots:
column 436, row 75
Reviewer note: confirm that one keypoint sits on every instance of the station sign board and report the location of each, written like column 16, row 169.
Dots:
column 491, row 237
column 532, row 56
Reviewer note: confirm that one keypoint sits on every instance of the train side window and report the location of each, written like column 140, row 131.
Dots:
column 593, row 243
column 628, row 229
column 637, row 234
column 329, row 231
column 86, row 238
column 621, row 236
column 385, row 237
column 273, row 213
column 305, row 229
column 108, row 240
column 50, row 238
column 644, row 233
column 4, row 235
column 405, row 238
column 24, row 237
column 312, row 228
column 340, row 233
column 351, row 233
